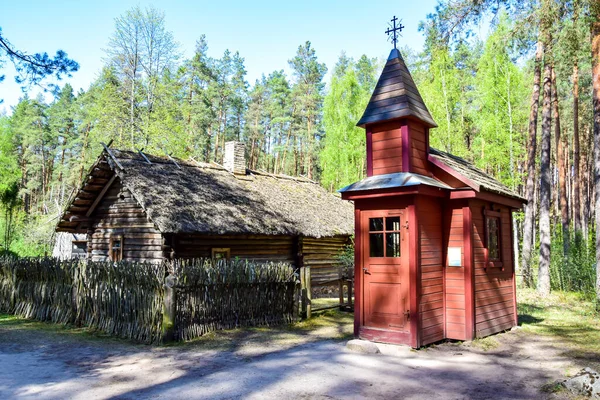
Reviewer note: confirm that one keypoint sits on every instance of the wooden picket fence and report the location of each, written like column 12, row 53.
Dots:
column 135, row 301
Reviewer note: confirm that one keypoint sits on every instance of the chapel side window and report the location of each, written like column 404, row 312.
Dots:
column 493, row 238
column 116, row 248
column 384, row 237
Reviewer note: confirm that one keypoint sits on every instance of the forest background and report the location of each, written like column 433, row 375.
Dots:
column 518, row 103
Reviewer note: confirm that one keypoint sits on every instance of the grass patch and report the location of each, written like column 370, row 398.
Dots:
column 571, row 318
column 325, row 302
column 486, row 343
column 331, row 324
column 16, row 325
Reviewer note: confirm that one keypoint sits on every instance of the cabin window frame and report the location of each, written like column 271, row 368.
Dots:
column 226, row 251
column 111, row 253
column 496, row 262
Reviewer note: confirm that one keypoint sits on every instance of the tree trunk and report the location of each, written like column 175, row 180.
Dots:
column 585, row 184
column 528, row 225
column 595, row 37
column 576, row 185
column 543, row 284
column 562, row 167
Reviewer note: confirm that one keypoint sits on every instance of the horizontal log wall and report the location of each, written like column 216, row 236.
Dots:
column 494, row 288
column 322, row 256
column 119, row 214
column 248, row 247
column 431, row 306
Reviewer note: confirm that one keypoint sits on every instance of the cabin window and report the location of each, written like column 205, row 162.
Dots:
column 220, row 253
column 493, row 241
column 79, row 249
column 384, row 237
column 116, row 248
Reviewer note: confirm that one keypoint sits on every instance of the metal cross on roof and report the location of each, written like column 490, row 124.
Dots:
column 393, row 31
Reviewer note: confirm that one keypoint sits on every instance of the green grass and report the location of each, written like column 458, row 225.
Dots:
column 331, row 324
column 570, row 318
column 12, row 324
column 326, row 325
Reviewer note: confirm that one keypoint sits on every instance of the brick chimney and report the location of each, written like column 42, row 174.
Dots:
column 235, row 158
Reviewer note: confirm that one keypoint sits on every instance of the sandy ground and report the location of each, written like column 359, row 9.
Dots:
column 45, row 365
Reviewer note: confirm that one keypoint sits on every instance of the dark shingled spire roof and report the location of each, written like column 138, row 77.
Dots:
column 396, row 96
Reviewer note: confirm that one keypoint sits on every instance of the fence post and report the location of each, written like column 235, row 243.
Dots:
column 306, row 292
column 341, row 288
column 350, row 302
column 169, row 309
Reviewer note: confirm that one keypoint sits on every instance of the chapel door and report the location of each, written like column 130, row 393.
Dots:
column 385, row 270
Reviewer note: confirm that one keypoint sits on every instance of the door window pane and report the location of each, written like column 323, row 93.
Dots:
column 392, row 244
column 376, row 245
column 375, row 224
column 392, row 224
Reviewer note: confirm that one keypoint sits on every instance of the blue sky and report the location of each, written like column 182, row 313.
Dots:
column 266, row 33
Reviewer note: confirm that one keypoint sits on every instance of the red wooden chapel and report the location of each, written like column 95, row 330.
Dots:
column 433, row 234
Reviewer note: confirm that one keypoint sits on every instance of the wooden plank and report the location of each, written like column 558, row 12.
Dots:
column 386, row 163
column 387, row 153
column 395, row 143
column 395, row 133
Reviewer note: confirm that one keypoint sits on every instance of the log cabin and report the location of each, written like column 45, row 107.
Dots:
column 138, row 207
column 434, row 250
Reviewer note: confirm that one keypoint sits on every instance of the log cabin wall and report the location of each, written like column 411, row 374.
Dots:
column 119, row 215
column 431, row 305
column 454, row 276
column 248, row 247
column 322, row 256
column 494, row 287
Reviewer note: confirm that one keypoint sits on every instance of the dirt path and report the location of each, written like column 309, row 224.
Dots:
column 47, row 365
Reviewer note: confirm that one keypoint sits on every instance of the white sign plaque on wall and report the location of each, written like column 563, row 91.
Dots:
column 454, row 257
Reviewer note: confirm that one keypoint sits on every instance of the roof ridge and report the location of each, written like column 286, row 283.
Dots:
column 282, row 176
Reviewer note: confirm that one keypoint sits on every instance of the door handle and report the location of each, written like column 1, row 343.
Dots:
column 407, row 314
column 366, row 271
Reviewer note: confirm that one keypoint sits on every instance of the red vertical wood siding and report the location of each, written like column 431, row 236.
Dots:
column 358, row 275
column 399, row 146
column 414, row 276
column 494, row 288
column 431, row 305
column 455, row 276
column 369, row 152
column 469, row 272
column 406, row 149
column 386, row 148
column 418, row 148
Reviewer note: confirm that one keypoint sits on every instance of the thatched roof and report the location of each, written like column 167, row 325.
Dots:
column 191, row 197
column 475, row 176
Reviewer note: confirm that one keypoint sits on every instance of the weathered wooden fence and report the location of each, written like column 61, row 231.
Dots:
column 135, row 300
column 211, row 295
column 121, row 299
